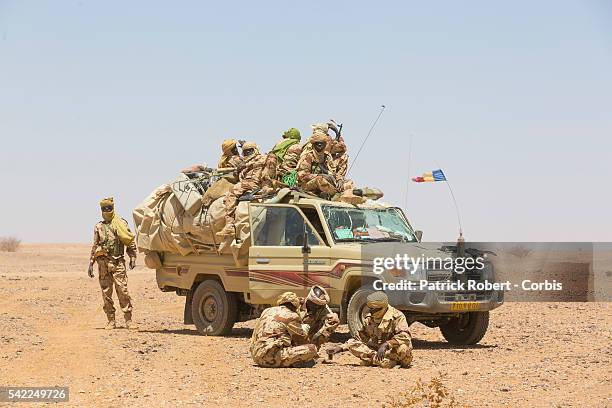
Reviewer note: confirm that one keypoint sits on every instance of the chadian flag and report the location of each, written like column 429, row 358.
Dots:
column 435, row 175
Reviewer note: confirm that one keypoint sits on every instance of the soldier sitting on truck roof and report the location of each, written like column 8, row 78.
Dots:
column 315, row 170
column 251, row 179
column 291, row 139
column 274, row 342
column 318, row 320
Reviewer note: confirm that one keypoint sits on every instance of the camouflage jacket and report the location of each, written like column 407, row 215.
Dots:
column 393, row 329
column 277, row 327
column 341, row 165
column 230, row 162
column 324, row 322
column 107, row 243
column 312, row 163
column 253, row 169
column 290, row 161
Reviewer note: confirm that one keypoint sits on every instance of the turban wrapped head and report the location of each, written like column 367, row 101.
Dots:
column 290, row 138
column 318, row 137
column 378, row 303
column 289, row 297
column 117, row 223
column 318, row 296
column 227, row 146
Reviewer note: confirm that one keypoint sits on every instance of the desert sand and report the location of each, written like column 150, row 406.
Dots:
column 51, row 319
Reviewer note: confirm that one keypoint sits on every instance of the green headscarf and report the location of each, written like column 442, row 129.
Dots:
column 291, row 137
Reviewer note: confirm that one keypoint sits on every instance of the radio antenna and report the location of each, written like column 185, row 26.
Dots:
column 382, row 108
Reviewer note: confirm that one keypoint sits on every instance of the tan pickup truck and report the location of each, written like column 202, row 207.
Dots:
column 297, row 241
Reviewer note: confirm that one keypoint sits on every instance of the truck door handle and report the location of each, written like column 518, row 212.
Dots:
column 262, row 261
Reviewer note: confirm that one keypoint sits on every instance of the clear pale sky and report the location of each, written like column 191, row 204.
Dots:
column 512, row 99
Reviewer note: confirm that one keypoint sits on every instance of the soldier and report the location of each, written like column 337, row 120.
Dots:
column 384, row 340
column 230, row 159
column 276, row 335
column 315, row 170
column 319, row 321
column 111, row 237
column 251, row 179
column 291, row 138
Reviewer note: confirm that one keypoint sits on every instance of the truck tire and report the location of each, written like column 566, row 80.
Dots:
column 213, row 309
column 356, row 309
column 468, row 329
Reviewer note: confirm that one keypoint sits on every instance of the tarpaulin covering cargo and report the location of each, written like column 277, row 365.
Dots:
column 174, row 219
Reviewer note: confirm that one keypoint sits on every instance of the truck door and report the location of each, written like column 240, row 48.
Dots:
column 278, row 261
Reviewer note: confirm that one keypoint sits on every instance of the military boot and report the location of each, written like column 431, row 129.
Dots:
column 128, row 322
column 111, row 324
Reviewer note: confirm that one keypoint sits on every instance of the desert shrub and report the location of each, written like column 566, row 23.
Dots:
column 9, row 244
column 433, row 394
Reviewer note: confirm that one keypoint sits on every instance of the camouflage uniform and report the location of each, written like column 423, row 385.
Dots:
column 312, row 168
column 323, row 322
column 290, row 161
column 392, row 329
column 276, row 335
column 108, row 251
column 251, row 178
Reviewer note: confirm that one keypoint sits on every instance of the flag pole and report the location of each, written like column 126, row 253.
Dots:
column 456, row 206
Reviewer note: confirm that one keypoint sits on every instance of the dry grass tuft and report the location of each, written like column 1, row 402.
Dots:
column 433, row 395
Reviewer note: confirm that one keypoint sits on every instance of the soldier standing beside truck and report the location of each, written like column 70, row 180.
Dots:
column 275, row 339
column 112, row 237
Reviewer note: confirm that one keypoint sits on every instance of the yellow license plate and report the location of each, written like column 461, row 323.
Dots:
column 465, row 306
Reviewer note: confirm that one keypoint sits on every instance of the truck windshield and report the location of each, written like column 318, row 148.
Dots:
column 349, row 224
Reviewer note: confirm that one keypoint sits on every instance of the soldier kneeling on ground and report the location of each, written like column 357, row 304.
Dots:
column 384, row 340
column 277, row 333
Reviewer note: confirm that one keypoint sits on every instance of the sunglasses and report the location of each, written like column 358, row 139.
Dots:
column 248, row 152
column 107, row 208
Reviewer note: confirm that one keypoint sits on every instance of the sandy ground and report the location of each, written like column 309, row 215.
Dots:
column 536, row 355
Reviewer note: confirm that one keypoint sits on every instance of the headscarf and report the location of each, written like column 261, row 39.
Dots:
column 227, row 146
column 321, row 300
column 378, row 300
column 319, row 137
column 289, row 297
column 320, row 127
column 251, row 145
column 291, row 137
column 117, row 223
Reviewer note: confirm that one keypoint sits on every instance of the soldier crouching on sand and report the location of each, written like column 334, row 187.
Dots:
column 318, row 320
column 112, row 237
column 277, row 333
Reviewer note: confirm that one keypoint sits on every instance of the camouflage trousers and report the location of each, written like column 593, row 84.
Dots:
column 319, row 185
column 401, row 355
column 276, row 356
column 112, row 273
column 231, row 198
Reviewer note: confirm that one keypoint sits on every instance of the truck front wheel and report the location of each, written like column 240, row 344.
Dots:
column 213, row 309
column 467, row 329
column 357, row 309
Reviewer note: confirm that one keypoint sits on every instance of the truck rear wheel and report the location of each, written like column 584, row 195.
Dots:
column 357, row 309
column 213, row 309
column 467, row 329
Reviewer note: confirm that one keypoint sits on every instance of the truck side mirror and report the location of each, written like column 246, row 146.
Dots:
column 305, row 246
column 418, row 235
